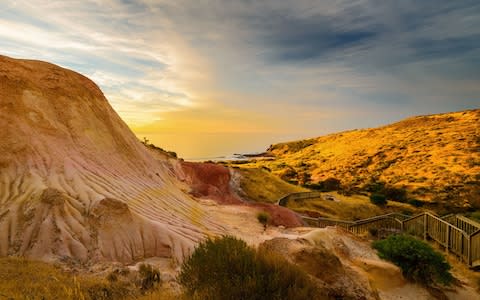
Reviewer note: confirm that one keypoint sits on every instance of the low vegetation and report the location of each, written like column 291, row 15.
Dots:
column 226, row 268
column 354, row 207
column 417, row 259
column 378, row 199
column 149, row 277
column 327, row 185
column 416, row 202
column 153, row 147
column 261, row 186
column 25, row 279
column 475, row 215
column 263, row 218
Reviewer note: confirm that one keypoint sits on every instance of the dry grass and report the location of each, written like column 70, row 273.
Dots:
column 262, row 186
column 463, row 274
column 434, row 157
column 26, row 279
column 162, row 295
column 349, row 208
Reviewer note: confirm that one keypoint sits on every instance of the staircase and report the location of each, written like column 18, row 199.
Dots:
column 455, row 233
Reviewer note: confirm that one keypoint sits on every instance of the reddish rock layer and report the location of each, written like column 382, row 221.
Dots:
column 212, row 181
column 209, row 180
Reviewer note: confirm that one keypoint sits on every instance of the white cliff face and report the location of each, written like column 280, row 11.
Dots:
column 76, row 182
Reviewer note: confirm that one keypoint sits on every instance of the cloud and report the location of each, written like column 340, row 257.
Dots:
column 317, row 66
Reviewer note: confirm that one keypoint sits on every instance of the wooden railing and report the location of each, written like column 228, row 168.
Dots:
column 465, row 224
column 456, row 234
column 298, row 196
column 384, row 222
column 475, row 249
column 324, row 222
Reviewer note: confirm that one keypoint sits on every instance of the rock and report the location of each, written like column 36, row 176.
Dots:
column 76, row 181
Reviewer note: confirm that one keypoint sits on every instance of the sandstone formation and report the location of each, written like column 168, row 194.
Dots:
column 76, row 182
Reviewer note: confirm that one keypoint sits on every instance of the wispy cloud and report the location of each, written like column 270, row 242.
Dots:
column 317, row 66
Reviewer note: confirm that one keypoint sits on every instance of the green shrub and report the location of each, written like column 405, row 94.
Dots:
column 375, row 187
column 172, row 154
column 263, row 217
column 416, row 202
column 418, row 260
column 331, row 184
column 378, row 199
column 474, row 215
column 395, row 194
column 147, row 143
column 226, row 268
column 327, row 185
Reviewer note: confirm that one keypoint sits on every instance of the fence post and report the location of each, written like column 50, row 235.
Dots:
column 469, row 252
column 448, row 238
column 425, row 226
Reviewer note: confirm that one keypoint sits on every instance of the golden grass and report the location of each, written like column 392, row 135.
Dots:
column 26, row 279
column 460, row 270
column 434, row 157
column 166, row 294
column 350, row 208
column 261, row 186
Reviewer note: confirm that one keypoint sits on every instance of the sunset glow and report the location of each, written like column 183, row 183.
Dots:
column 243, row 75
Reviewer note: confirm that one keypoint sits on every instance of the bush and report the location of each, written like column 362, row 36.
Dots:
column 416, row 202
column 373, row 232
column 226, row 268
column 331, row 184
column 147, row 143
column 327, row 185
column 474, row 215
column 395, row 194
column 418, row 260
column 149, row 277
column 263, row 217
column 375, row 187
column 378, row 199
column 172, row 154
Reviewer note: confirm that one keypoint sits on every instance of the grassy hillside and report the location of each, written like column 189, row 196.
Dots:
column 350, row 208
column 261, row 186
column 434, row 158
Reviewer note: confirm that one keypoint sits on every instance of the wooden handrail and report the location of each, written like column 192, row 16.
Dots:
column 283, row 201
column 458, row 234
column 374, row 219
column 335, row 220
column 454, row 239
column 469, row 221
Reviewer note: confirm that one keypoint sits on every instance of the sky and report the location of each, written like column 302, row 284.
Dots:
column 212, row 78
